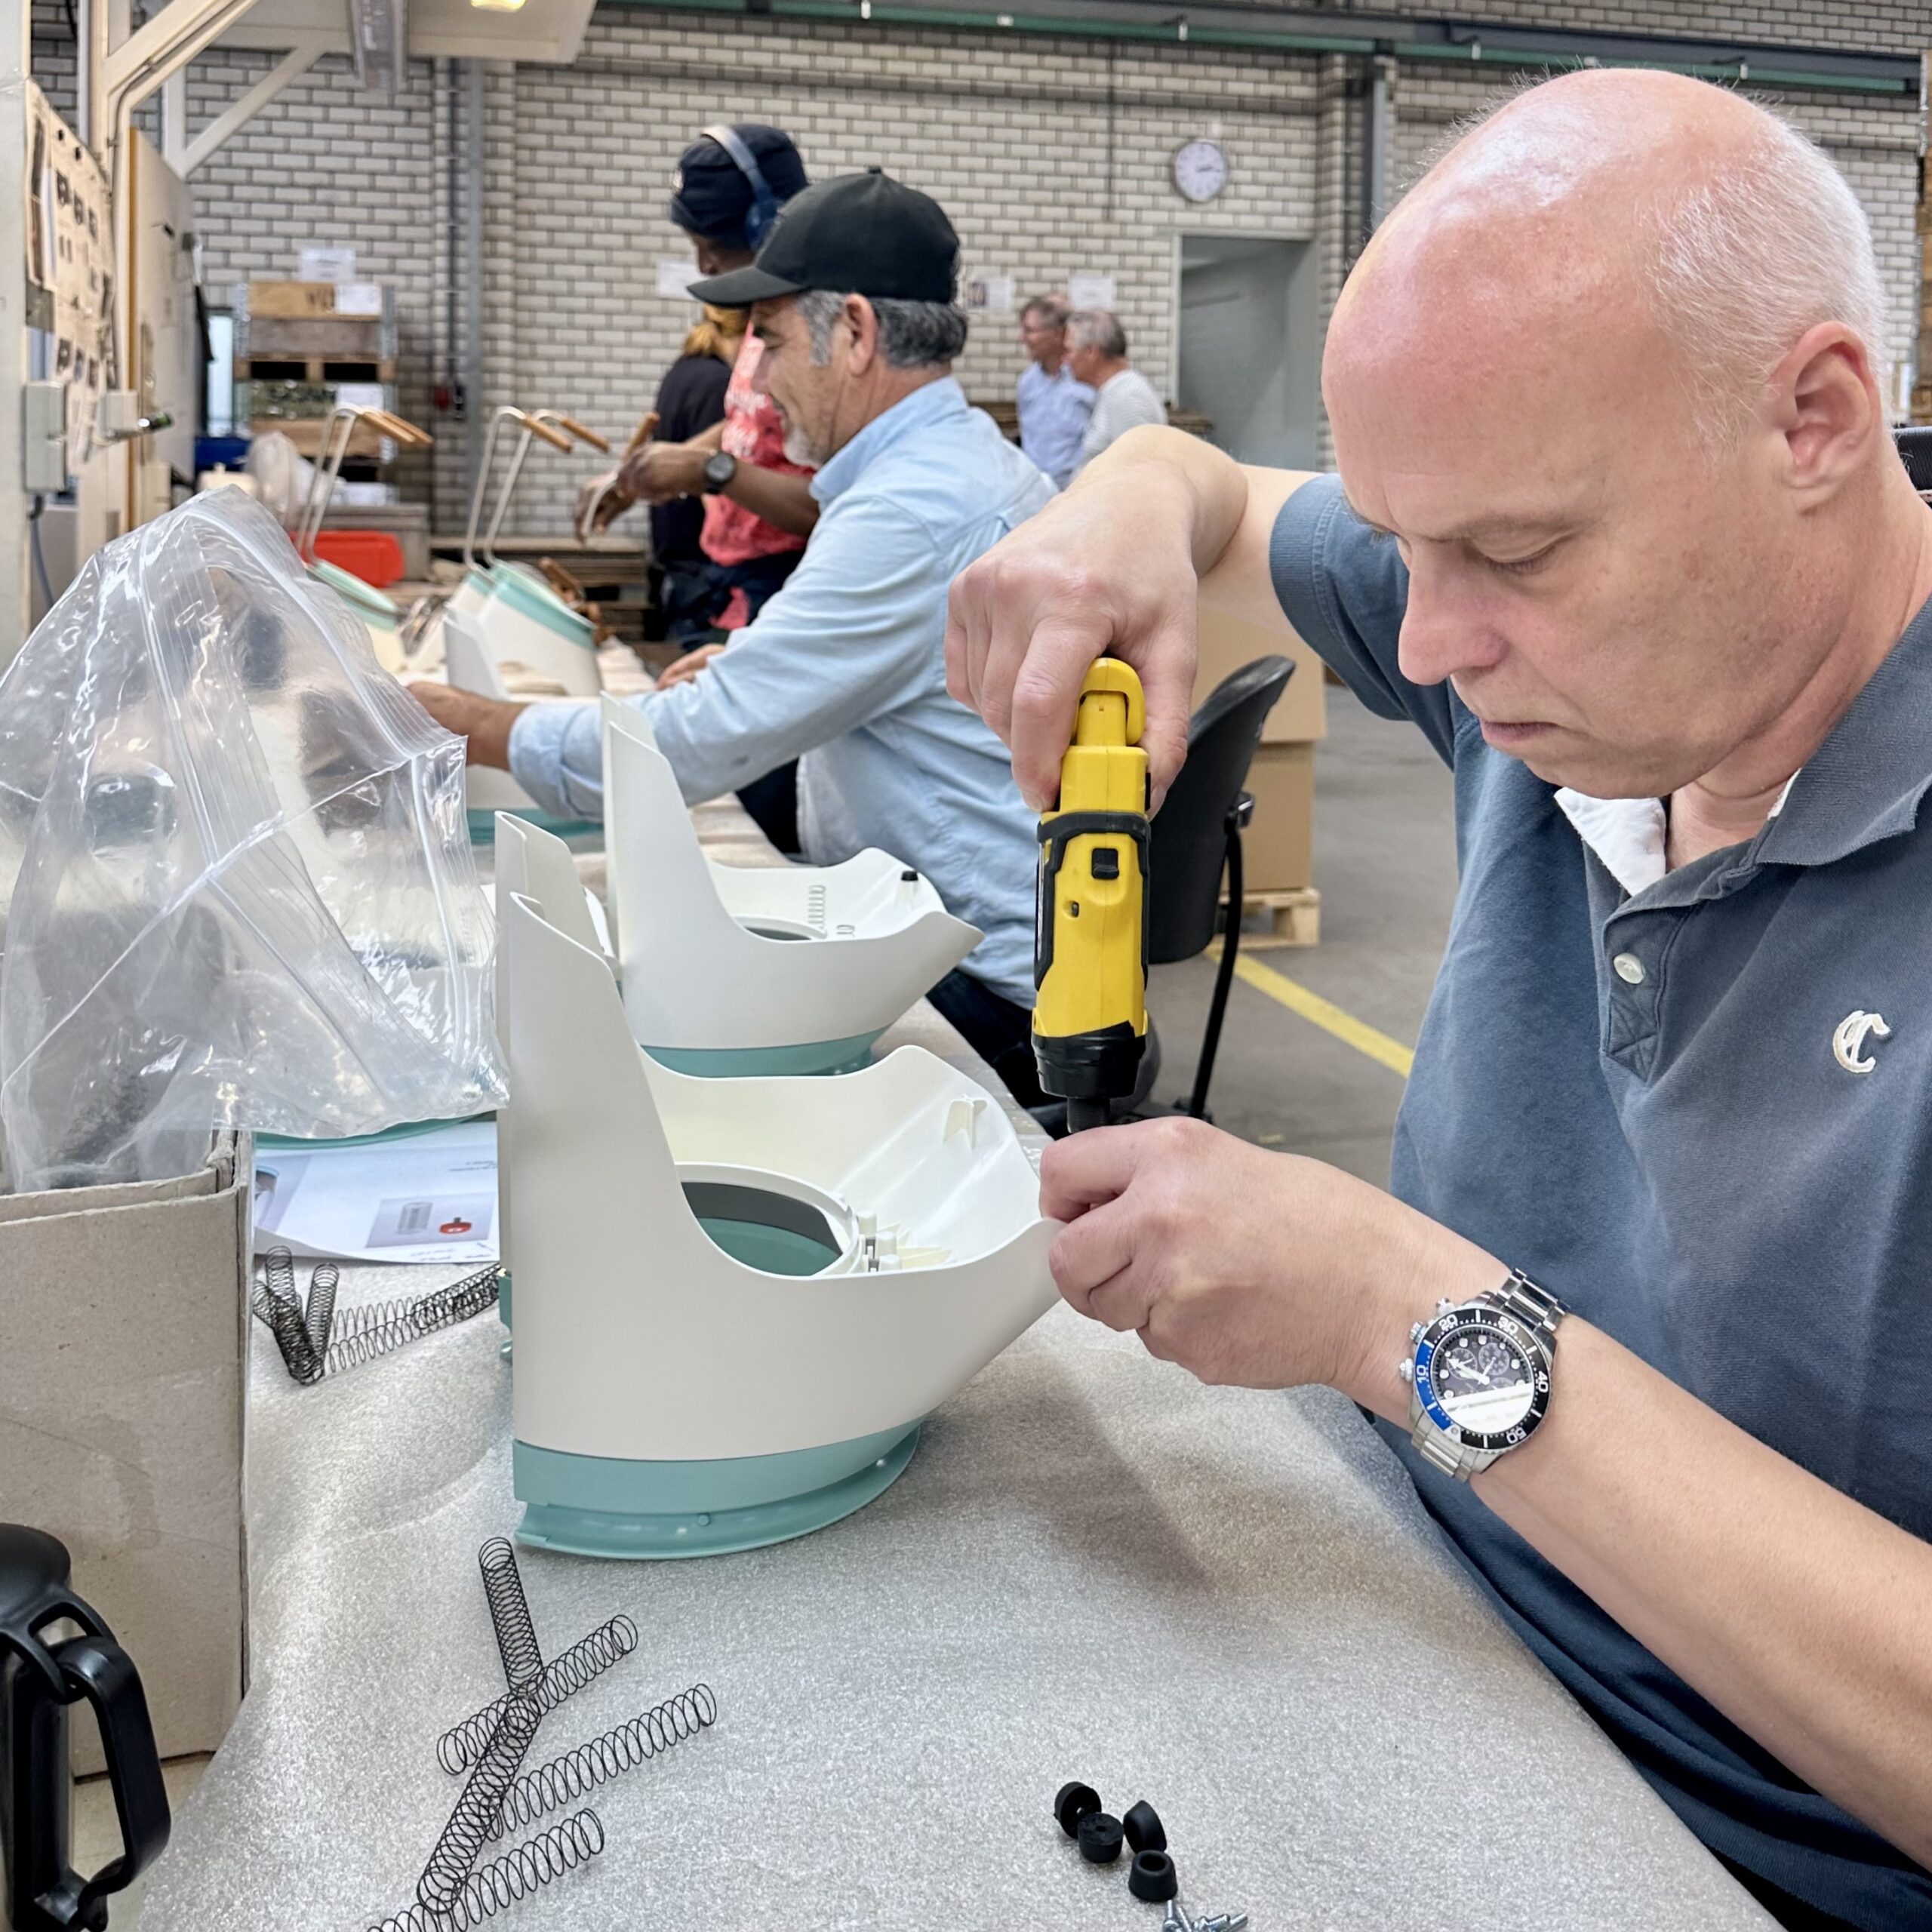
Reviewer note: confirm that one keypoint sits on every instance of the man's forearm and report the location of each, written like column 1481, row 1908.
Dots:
column 783, row 499
column 1804, row 1618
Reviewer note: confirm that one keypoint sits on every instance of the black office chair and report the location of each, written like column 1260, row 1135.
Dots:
column 1197, row 831
column 1915, row 446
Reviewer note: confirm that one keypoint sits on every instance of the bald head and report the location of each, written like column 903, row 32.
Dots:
column 1648, row 199
column 1609, row 376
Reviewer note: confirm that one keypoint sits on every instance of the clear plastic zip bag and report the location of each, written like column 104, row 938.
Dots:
column 236, row 885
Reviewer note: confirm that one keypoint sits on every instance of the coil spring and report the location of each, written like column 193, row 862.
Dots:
column 563, row 1676
column 320, row 1319
column 474, row 1816
column 550, row 1787
column 354, row 1336
column 497, row 1886
column 509, row 1614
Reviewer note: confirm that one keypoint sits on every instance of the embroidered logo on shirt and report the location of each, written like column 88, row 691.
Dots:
column 1848, row 1040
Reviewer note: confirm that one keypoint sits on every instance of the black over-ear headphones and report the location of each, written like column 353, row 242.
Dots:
column 763, row 209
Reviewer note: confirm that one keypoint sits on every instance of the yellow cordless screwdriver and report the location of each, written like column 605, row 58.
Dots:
column 1090, row 936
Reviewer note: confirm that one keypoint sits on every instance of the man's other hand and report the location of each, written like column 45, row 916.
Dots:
column 1263, row 1270
column 483, row 723
column 684, row 668
column 600, row 500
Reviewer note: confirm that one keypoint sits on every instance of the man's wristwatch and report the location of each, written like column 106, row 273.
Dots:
column 720, row 466
column 1479, row 1379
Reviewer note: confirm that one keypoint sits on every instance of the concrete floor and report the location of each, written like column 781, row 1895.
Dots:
column 1385, row 861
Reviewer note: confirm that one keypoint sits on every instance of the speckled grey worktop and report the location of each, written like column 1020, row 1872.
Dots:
column 1228, row 1602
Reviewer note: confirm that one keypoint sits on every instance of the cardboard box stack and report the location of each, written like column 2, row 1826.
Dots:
column 1278, row 850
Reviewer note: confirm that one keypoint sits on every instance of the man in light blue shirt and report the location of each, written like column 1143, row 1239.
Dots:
column 1054, row 405
column 844, row 668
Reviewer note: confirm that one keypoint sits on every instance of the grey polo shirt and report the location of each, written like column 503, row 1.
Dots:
column 1638, row 1101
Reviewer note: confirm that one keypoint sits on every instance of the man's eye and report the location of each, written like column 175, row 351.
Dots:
column 1523, row 566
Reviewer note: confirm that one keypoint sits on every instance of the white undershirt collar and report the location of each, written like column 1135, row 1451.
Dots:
column 1629, row 835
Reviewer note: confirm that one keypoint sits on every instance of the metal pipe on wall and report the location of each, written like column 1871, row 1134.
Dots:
column 473, row 159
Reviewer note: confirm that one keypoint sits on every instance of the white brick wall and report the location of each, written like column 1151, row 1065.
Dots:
column 1050, row 155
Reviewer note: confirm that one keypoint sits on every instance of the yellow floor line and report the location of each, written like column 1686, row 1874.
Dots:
column 1329, row 1017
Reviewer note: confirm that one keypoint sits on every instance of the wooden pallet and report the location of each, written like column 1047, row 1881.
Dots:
column 312, row 369
column 1288, row 918
column 306, row 433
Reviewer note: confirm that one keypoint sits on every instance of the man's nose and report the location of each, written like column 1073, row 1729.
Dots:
column 1447, row 631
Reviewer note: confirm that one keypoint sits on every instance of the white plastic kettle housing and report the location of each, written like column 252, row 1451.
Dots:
column 736, row 1299
column 743, row 969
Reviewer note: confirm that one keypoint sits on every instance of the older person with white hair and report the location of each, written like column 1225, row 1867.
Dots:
column 1123, row 397
column 1620, row 526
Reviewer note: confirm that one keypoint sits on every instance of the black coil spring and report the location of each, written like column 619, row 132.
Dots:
column 550, row 1787
column 497, row 1886
column 352, row 1336
column 474, row 1816
column 509, row 1614
column 563, row 1676
column 320, row 1321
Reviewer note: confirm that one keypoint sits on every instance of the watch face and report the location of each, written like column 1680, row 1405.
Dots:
column 1480, row 1379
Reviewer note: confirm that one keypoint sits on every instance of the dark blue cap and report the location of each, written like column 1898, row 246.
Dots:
column 713, row 196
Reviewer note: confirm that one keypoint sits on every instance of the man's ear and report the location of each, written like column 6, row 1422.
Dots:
column 1824, row 402
column 862, row 320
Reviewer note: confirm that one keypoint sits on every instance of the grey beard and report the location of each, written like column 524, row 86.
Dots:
column 799, row 449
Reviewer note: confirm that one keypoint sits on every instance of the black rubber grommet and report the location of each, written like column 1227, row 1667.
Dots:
column 1152, row 1877
column 1072, row 1803
column 1144, row 1830
column 1099, row 1838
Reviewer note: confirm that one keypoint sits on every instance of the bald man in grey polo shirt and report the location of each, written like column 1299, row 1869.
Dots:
column 1618, row 526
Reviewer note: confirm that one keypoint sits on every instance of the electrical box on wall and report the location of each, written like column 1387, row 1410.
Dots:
column 44, row 458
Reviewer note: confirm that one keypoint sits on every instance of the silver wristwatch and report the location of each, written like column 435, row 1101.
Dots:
column 1479, row 1378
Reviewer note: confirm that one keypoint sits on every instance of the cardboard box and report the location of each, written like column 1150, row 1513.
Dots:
column 124, row 1346
column 1278, row 849
column 1228, row 643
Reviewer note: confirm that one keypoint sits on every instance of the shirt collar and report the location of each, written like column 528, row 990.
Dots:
column 1631, row 835
column 1865, row 782
column 931, row 403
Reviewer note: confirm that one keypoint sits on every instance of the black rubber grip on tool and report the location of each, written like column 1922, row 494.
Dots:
column 1144, row 1830
column 1152, row 1877
column 1100, row 1837
column 1072, row 1803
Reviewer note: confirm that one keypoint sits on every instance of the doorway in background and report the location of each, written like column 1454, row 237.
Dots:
column 1250, row 345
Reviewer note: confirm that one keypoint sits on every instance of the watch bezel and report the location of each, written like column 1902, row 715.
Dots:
column 1518, row 1335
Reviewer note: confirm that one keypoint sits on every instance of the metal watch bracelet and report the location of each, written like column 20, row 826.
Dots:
column 1540, row 1312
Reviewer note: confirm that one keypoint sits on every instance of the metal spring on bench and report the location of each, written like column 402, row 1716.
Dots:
column 563, row 1676
column 497, row 1886
column 550, row 1787
column 320, row 1320
column 509, row 1614
column 354, row 1335
column 474, row 1816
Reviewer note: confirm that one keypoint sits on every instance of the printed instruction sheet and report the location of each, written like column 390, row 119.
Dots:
column 427, row 1195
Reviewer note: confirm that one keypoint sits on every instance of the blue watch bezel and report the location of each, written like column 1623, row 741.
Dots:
column 1517, row 1335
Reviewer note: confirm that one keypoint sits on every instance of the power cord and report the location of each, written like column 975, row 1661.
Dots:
column 39, row 556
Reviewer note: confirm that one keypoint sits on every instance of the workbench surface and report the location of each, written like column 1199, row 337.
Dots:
column 1229, row 1602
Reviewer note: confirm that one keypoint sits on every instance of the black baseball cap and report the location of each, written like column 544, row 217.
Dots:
column 713, row 196
column 860, row 234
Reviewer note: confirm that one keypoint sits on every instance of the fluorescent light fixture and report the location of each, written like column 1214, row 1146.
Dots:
column 497, row 6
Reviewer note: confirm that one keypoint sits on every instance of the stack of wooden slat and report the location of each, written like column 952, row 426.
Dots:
column 303, row 347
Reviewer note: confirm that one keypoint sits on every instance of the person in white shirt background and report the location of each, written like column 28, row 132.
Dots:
column 1123, row 397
